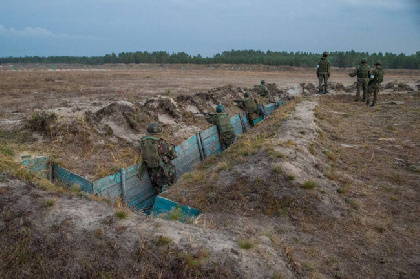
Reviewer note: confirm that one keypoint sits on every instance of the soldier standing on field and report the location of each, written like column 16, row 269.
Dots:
column 323, row 72
column 375, row 80
column 224, row 126
column 250, row 105
column 157, row 155
column 362, row 72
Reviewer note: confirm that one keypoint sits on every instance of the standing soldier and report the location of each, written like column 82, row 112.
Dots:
column 157, row 155
column 224, row 126
column 250, row 105
column 376, row 78
column 323, row 72
column 362, row 72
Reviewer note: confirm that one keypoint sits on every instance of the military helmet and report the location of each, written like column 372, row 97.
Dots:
column 247, row 94
column 154, row 128
column 220, row 108
column 262, row 81
column 378, row 63
column 363, row 60
column 325, row 53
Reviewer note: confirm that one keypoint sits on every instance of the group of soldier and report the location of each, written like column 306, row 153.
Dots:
column 367, row 80
column 158, row 153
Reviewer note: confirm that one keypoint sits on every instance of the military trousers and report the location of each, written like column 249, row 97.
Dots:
column 226, row 139
column 373, row 89
column 162, row 176
column 362, row 85
column 323, row 79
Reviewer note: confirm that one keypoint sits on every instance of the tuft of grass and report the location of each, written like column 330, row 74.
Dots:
column 354, row 204
column 98, row 233
column 48, row 202
column 330, row 155
column 312, row 149
column 162, row 240
column 309, row 266
column 302, row 132
column 309, row 185
column 276, row 168
column 344, row 189
column 121, row 214
column 175, row 214
column 168, row 91
column 291, row 177
column 246, row 244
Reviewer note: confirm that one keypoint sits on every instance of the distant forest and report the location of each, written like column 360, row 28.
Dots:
column 298, row 59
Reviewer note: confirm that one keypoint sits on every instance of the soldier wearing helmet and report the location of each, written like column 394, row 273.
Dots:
column 262, row 90
column 250, row 105
column 375, row 79
column 362, row 72
column 323, row 72
column 157, row 155
column 222, row 120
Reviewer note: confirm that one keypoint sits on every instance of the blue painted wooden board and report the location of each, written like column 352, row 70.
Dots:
column 258, row 120
column 38, row 166
column 269, row 109
column 131, row 171
column 146, row 205
column 211, row 142
column 65, row 176
column 237, row 125
column 163, row 207
column 246, row 122
column 188, row 155
column 107, row 184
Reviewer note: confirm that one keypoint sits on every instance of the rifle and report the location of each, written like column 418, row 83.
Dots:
column 206, row 113
column 239, row 101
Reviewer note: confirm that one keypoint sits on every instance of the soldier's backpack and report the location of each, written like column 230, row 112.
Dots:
column 380, row 76
column 250, row 105
column 363, row 71
column 224, row 124
column 323, row 66
column 149, row 148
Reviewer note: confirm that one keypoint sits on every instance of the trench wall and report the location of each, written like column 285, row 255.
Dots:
column 133, row 184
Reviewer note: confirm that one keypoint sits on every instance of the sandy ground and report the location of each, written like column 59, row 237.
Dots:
column 360, row 219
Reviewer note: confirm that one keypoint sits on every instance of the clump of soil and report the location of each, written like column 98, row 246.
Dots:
column 41, row 121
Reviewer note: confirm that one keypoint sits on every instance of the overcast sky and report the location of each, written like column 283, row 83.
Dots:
column 206, row 27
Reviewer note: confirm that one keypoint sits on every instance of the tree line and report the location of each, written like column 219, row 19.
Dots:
column 298, row 59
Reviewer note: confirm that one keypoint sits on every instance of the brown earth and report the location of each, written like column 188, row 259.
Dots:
column 324, row 188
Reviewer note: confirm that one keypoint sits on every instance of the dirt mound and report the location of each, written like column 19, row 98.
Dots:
column 339, row 87
column 310, row 88
column 48, row 235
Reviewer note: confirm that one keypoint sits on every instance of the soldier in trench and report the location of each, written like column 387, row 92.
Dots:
column 157, row 155
column 222, row 120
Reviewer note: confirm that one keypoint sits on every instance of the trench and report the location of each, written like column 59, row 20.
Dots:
column 133, row 186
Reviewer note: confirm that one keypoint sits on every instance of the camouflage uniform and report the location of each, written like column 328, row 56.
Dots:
column 362, row 72
column 263, row 91
column 323, row 72
column 225, row 128
column 376, row 78
column 164, row 174
column 250, row 105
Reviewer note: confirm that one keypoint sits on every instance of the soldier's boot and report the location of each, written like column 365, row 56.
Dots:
column 319, row 91
column 373, row 104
